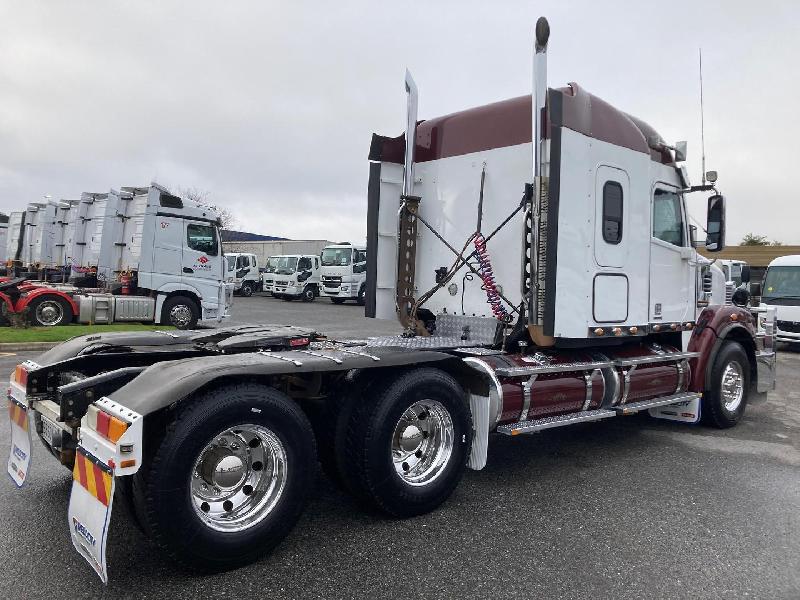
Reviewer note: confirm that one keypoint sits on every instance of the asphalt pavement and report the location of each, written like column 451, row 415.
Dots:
column 621, row 508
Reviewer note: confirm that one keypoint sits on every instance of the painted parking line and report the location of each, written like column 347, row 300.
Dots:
column 8, row 353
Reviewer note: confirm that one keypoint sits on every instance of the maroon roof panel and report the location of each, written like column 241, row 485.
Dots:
column 508, row 123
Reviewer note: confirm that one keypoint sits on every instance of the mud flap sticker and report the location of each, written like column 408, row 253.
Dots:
column 19, row 459
column 687, row 411
column 90, row 509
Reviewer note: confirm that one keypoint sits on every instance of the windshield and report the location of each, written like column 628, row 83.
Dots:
column 231, row 262
column 782, row 282
column 286, row 265
column 336, row 257
column 272, row 263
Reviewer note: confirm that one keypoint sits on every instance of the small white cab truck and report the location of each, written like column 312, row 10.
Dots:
column 297, row 276
column 537, row 255
column 137, row 254
column 344, row 273
column 246, row 275
column 781, row 290
column 268, row 276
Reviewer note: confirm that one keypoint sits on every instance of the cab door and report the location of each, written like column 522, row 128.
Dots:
column 202, row 259
column 168, row 244
column 672, row 259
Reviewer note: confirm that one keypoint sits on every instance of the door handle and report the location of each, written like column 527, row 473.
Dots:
column 188, row 270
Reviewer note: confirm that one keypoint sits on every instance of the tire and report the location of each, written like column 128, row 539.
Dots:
column 263, row 423
column 337, row 300
column 50, row 311
column 362, row 296
column 723, row 405
column 247, row 289
column 180, row 312
column 419, row 425
column 308, row 294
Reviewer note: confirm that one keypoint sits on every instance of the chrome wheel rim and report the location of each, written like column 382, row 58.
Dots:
column 180, row 315
column 49, row 313
column 732, row 387
column 238, row 478
column 422, row 442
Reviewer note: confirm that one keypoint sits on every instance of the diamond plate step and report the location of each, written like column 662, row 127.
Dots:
column 559, row 421
column 634, row 407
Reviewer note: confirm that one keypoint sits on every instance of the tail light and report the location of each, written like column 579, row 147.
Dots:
column 108, row 426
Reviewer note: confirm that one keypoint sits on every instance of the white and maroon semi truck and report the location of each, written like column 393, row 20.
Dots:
column 138, row 254
column 537, row 254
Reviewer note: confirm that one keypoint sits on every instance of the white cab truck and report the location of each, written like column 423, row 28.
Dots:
column 268, row 276
column 246, row 276
column 537, row 256
column 297, row 277
column 781, row 290
column 344, row 273
column 3, row 242
column 138, row 254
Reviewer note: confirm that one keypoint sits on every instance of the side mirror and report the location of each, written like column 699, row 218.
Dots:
column 745, row 273
column 755, row 289
column 715, row 223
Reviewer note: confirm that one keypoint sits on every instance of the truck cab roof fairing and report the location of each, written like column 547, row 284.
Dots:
column 508, row 123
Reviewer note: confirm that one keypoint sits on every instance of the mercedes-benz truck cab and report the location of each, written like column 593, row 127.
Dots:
column 297, row 276
column 781, row 289
column 344, row 273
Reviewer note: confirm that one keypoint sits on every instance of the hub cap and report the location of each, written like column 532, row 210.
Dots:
column 49, row 313
column 180, row 315
column 422, row 443
column 238, row 478
column 732, row 386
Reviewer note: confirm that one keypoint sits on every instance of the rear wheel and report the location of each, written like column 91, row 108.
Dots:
column 230, row 478
column 337, row 300
column 407, row 443
column 50, row 311
column 180, row 312
column 362, row 294
column 723, row 405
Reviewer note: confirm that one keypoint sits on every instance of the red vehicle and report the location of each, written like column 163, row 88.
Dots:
column 537, row 255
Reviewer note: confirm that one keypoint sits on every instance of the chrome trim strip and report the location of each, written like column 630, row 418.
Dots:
column 526, row 398
column 338, row 361
column 627, row 385
column 296, row 363
column 588, row 378
column 559, row 368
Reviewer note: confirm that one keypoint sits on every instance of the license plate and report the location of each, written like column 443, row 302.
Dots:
column 50, row 431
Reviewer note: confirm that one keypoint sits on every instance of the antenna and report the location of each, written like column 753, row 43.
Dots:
column 702, row 123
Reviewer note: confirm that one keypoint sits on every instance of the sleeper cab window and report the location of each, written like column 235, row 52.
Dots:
column 612, row 212
column 667, row 217
column 202, row 238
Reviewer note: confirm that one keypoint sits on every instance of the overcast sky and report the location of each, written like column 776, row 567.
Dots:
column 269, row 106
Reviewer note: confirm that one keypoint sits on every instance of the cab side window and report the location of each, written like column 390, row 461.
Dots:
column 612, row 212
column 202, row 238
column 304, row 264
column 668, row 223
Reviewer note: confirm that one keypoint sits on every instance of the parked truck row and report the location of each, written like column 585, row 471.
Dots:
column 537, row 254
column 134, row 254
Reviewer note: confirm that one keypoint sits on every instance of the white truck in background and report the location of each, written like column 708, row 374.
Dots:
column 344, row 273
column 246, row 276
column 781, row 290
column 268, row 276
column 3, row 242
column 140, row 254
column 297, row 277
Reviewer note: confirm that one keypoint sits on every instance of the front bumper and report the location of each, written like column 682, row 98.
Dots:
column 289, row 290
column 343, row 291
